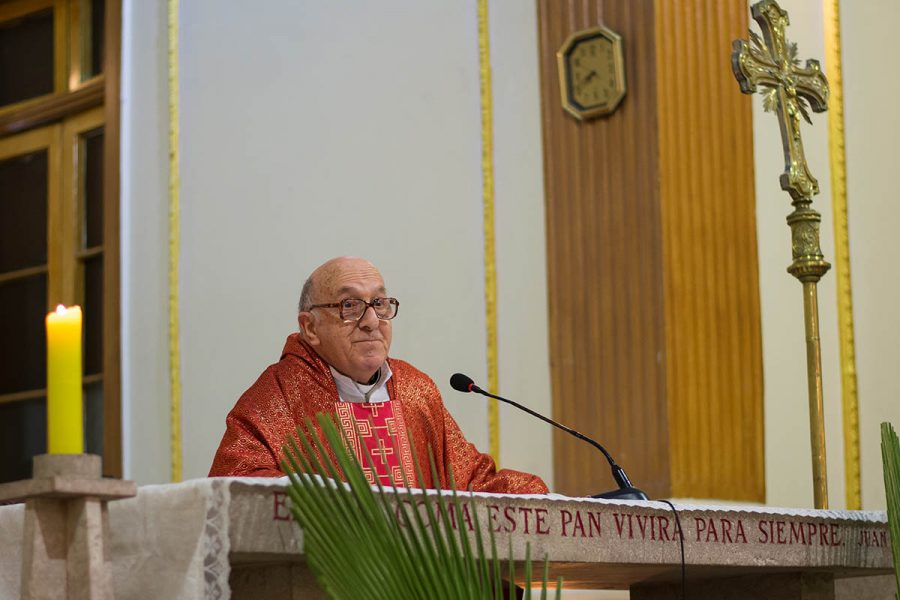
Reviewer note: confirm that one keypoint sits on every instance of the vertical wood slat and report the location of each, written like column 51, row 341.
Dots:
column 60, row 46
column 75, row 41
column 604, row 260
column 55, row 252
column 651, row 254
column 711, row 294
column 112, row 390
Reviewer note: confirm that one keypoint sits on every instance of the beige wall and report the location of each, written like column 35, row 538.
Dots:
column 788, row 463
column 871, row 130
column 343, row 128
column 378, row 116
column 144, row 235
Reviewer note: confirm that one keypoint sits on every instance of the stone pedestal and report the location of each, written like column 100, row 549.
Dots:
column 64, row 547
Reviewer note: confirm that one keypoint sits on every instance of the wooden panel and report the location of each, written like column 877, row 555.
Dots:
column 112, row 390
column 651, row 256
column 604, row 260
column 708, row 210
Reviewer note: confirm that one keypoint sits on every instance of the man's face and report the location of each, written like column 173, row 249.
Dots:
column 359, row 348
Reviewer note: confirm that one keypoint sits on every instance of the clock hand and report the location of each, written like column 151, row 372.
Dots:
column 579, row 85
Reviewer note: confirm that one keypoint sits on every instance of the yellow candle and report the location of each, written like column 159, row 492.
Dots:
column 65, row 426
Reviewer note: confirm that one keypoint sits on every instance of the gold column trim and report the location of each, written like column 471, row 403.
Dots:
column 174, row 248
column 487, row 192
column 837, row 156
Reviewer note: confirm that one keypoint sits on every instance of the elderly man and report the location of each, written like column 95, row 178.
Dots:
column 338, row 363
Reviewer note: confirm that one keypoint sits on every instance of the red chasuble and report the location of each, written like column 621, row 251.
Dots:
column 300, row 385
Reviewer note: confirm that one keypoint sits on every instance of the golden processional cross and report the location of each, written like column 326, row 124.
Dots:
column 790, row 91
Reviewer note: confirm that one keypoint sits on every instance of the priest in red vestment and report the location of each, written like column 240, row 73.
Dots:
column 338, row 363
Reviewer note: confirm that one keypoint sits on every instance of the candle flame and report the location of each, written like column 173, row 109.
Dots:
column 60, row 309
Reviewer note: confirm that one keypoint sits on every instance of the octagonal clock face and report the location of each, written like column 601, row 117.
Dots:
column 591, row 72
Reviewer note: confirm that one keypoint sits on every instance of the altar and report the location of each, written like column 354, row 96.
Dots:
column 234, row 538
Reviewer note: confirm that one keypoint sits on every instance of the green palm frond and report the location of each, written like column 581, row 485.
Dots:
column 394, row 543
column 890, row 455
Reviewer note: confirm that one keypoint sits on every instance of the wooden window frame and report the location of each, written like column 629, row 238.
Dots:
column 48, row 139
column 59, row 119
column 21, row 8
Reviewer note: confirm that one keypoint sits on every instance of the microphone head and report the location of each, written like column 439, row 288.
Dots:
column 461, row 383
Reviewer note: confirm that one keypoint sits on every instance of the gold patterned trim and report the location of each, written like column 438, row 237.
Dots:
column 174, row 248
column 490, row 259
column 849, row 399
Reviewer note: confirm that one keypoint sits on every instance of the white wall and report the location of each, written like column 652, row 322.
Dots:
column 144, row 235
column 310, row 130
column 521, row 248
column 871, row 90
column 788, row 462
column 328, row 135
column 867, row 30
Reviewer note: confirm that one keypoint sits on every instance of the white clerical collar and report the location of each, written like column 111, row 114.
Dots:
column 351, row 391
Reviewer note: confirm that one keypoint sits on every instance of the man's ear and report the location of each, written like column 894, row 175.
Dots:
column 307, row 323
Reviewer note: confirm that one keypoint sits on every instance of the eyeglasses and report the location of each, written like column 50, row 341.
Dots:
column 353, row 309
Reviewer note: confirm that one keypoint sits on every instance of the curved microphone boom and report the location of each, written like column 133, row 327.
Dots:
column 626, row 491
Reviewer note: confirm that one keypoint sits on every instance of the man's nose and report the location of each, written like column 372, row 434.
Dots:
column 369, row 320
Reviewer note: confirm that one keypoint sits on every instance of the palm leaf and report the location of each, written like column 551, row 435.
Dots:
column 804, row 109
column 770, row 99
column 363, row 542
column 890, row 455
column 757, row 43
column 792, row 54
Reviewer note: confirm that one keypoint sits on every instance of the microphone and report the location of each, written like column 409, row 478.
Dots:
column 626, row 491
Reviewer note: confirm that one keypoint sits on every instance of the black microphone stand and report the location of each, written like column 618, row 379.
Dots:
column 626, row 490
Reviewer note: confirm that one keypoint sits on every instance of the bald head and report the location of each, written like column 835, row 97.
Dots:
column 317, row 285
column 355, row 348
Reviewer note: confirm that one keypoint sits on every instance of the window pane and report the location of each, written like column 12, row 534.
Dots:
column 26, row 57
column 23, row 344
column 93, row 188
column 93, row 418
column 97, row 34
column 23, row 211
column 93, row 315
column 23, row 433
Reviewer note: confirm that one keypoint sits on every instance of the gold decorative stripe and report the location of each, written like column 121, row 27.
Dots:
column 849, row 400
column 490, row 259
column 174, row 247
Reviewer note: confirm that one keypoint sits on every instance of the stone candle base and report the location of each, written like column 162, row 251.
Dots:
column 64, row 551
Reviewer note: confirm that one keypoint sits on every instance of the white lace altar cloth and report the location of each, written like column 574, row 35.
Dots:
column 170, row 541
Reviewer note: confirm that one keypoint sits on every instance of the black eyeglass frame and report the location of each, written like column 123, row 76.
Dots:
column 339, row 305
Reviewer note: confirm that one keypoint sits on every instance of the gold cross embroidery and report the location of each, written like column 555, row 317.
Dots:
column 381, row 451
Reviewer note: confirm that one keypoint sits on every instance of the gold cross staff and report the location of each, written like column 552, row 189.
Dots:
column 791, row 91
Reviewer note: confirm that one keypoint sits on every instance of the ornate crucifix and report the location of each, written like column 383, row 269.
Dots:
column 791, row 91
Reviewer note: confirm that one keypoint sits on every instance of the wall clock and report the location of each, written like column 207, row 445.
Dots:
column 591, row 72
